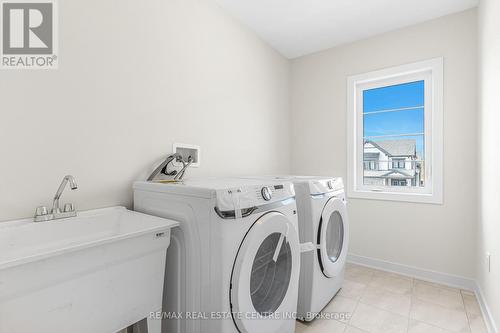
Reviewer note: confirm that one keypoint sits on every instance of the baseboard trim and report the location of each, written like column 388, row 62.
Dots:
column 431, row 276
column 415, row 272
column 487, row 315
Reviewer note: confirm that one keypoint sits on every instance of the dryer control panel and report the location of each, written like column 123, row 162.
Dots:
column 326, row 185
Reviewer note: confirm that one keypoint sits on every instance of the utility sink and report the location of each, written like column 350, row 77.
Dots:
column 100, row 271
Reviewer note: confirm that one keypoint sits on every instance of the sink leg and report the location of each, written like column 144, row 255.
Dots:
column 146, row 325
column 153, row 324
column 142, row 326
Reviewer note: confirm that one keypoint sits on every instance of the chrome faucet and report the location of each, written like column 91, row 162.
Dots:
column 42, row 214
column 72, row 185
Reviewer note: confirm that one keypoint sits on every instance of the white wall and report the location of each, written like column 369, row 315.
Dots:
column 133, row 78
column 489, row 134
column 433, row 237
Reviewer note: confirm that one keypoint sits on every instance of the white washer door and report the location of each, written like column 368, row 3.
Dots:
column 333, row 237
column 265, row 275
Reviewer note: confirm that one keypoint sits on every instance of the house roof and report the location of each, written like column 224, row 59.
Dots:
column 393, row 174
column 403, row 147
column 400, row 174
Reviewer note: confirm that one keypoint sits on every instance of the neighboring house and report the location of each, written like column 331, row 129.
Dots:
column 392, row 163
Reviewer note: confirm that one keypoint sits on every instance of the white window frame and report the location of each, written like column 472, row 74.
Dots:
column 431, row 71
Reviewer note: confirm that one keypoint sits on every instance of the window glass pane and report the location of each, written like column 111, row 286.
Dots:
column 393, row 97
column 396, row 122
column 393, row 135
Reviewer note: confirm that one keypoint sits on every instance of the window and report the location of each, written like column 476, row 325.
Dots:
column 395, row 133
column 399, row 163
column 371, row 163
column 396, row 182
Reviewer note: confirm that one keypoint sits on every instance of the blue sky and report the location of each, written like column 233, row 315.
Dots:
column 408, row 95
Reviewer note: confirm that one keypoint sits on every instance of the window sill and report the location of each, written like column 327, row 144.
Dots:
column 396, row 196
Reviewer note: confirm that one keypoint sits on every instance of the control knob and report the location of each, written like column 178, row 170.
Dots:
column 266, row 193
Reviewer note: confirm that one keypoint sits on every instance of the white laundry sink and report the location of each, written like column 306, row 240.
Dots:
column 98, row 272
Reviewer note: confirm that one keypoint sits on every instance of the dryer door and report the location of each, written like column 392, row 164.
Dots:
column 265, row 275
column 333, row 237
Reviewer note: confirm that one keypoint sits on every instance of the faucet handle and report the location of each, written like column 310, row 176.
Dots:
column 41, row 211
column 69, row 207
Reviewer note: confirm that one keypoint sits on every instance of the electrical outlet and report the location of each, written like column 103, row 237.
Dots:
column 488, row 261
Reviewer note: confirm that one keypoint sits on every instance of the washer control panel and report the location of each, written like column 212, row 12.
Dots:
column 271, row 192
column 253, row 195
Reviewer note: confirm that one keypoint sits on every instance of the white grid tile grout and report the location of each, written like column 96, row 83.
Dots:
column 361, row 270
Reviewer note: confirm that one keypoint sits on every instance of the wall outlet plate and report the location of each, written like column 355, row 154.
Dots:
column 186, row 150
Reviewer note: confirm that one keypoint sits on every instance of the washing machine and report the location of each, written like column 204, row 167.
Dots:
column 323, row 221
column 234, row 261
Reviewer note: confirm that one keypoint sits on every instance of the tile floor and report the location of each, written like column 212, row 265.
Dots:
column 376, row 301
